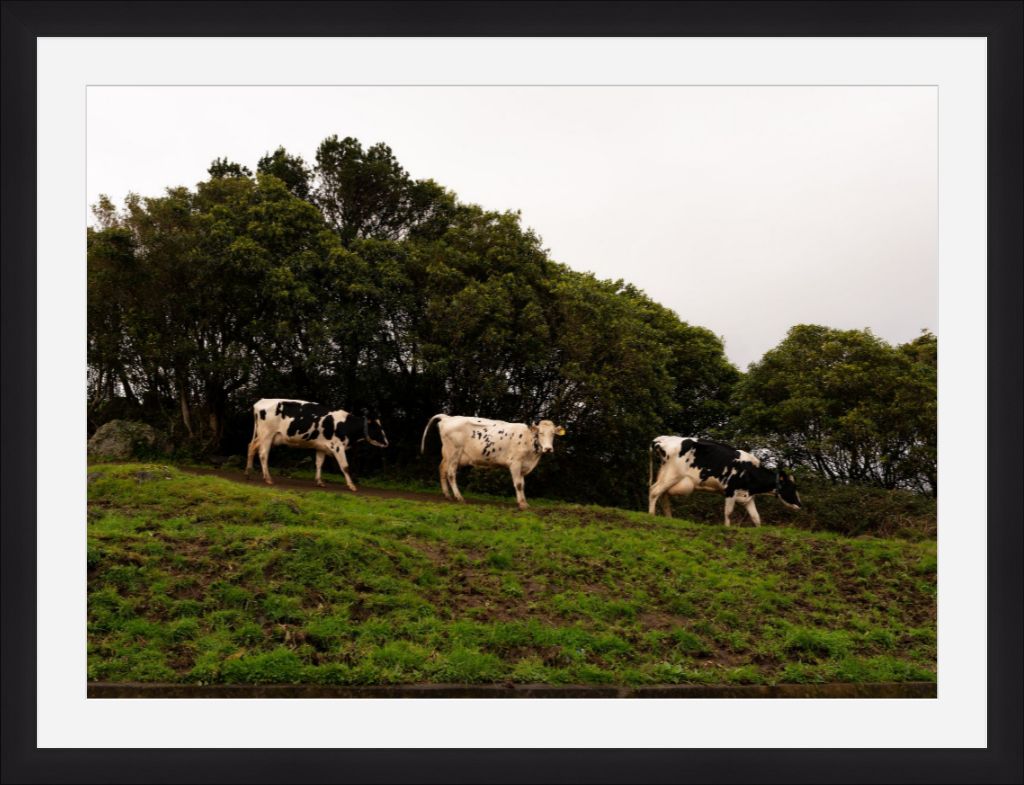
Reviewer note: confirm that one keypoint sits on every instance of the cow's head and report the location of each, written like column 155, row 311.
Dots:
column 544, row 432
column 373, row 431
column 785, row 488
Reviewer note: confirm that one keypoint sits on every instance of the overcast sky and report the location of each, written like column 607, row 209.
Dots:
column 744, row 209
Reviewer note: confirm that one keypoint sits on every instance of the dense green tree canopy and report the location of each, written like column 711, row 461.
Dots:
column 367, row 193
column 847, row 405
column 289, row 169
column 222, row 167
column 350, row 283
column 192, row 295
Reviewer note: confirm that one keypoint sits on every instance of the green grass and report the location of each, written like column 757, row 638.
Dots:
column 850, row 510
column 467, row 481
column 202, row 580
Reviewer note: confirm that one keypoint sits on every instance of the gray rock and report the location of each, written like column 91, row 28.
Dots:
column 126, row 439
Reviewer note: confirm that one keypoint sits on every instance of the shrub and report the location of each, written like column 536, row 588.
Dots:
column 851, row 510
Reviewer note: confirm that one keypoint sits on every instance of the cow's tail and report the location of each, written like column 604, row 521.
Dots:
column 431, row 421
column 650, row 465
column 255, row 424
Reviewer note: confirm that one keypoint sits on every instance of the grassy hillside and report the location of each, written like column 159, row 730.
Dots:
column 852, row 510
column 199, row 579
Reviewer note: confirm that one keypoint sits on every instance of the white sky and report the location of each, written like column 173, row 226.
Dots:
column 744, row 209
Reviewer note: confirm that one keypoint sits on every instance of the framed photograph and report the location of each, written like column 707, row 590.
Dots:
column 569, row 390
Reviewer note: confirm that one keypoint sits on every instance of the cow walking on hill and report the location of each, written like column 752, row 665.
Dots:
column 476, row 441
column 688, row 464
column 310, row 426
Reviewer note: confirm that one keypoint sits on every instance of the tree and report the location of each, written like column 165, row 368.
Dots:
column 846, row 405
column 205, row 290
column 110, row 253
column 289, row 169
column 383, row 291
column 367, row 193
column 222, row 167
column 919, row 398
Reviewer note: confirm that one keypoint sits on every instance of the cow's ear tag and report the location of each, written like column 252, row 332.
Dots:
column 561, row 431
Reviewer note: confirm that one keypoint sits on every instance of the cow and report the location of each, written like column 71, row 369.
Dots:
column 311, row 426
column 689, row 464
column 476, row 441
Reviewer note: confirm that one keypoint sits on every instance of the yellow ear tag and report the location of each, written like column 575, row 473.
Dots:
column 561, row 431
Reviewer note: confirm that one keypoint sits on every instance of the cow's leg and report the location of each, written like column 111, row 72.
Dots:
column 254, row 446
column 752, row 511
column 453, row 467
column 665, row 481
column 342, row 460
column 730, row 503
column 264, row 449
column 517, row 482
column 656, row 492
column 666, row 505
column 443, row 472
column 319, row 465
column 654, row 497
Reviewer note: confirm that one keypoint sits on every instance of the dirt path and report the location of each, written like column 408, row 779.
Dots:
column 237, row 475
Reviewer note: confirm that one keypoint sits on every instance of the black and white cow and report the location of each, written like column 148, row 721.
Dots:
column 476, row 441
column 688, row 464
column 311, row 426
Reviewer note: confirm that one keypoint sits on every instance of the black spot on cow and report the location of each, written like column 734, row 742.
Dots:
column 519, row 486
column 376, row 431
column 304, row 416
column 712, row 459
column 723, row 463
column 349, row 430
column 786, row 488
column 263, row 414
column 659, row 451
column 327, row 426
column 313, row 419
column 355, row 428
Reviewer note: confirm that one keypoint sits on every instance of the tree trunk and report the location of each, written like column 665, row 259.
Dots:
column 186, row 415
column 216, row 427
column 128, row 392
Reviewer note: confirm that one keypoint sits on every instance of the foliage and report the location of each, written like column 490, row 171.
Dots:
column 850, row 510
column 192, row 294
column 350, row 283
column 381, row 291
column 367, row 193
column 289, row 169
column 222, row 167
column 198, row 579
column 846, row 405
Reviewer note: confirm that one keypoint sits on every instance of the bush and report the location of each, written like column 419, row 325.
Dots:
column 851, row 510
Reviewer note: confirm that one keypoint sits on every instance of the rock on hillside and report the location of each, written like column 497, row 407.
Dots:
column 123, row 439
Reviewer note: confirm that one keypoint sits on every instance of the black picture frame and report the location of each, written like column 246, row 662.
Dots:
column 1000, row 22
